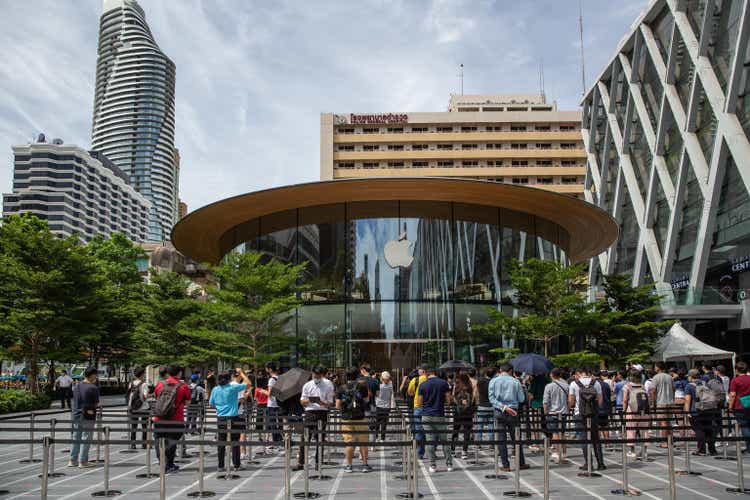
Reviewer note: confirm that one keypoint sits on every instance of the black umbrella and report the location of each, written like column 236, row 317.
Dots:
column 290, row 384
column 456, row 365
column 533, row 364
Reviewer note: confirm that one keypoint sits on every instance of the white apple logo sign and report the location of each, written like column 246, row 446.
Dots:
column 398, row 253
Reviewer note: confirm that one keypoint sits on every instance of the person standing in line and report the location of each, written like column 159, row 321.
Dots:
column 352, row 399
column 383, row 403
column 85, row 405
column 197, row 399
column 244, row 409
column 555, row 405
column 210, row 382
column 169, row 414
column 138, row 409
column 272, row 370
column 485, row 412
column 636, row 408
column 506, row 394
column 702, row 417
column 317, row 398
column 260, row 394
column 225, row 398
column 416, row 419
column 365, row 371
column 585, row 397
column 464, row 397
column 64, row 386
column 434, row 393
column 662, row 394
column 739, row 401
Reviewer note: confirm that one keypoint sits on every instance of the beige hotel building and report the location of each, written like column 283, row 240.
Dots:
column 515, row 139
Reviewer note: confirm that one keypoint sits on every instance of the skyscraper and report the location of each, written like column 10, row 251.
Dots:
column 133, row 123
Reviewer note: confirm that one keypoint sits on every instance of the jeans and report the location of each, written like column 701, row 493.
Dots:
column 462, row 424
column 743, row 419
column 82, row 429
column 66, row 395
column 436, row 429
column 274, row 424
column 418, row 431
column 506, row 424
column 704, row 426
column 382, row 421
column 485, row 420
column 238, row 425
column 584, row 433
column 171, row 431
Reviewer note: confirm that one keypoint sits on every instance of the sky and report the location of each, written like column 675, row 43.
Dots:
column 254, row 76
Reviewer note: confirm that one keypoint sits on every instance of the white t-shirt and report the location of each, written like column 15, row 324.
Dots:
column 575, row 391
column 325, row 391
column 272, row 403
column 64, row 381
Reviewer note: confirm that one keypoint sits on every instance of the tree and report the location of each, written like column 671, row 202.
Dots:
column 550, row 298
column 624, row 325
column 48, row 294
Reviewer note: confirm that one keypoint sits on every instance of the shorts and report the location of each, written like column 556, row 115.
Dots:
column 358, row 431
column 664, row 411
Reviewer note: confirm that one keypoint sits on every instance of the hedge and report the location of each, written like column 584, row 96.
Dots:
column 13, row 400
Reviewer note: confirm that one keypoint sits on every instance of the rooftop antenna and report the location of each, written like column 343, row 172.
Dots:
column 541, row 78
column 580, row 31
column 461, row 78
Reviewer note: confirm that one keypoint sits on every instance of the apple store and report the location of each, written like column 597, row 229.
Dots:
column 398, row 271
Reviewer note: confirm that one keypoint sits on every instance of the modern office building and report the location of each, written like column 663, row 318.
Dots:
column 514, row 139
column 666, row 127
column 134, row 119
column 76, row 191
column 398, row 269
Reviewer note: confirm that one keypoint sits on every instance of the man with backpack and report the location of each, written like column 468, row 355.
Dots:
column 636, row 406
column 197, row 400
column 432, row 396
column 586, row 398
column 169, row 414
column 274, row 427
column 353, row 399
column 365, row 371
column 555, row 405
column 704, row 400
column 136, row 395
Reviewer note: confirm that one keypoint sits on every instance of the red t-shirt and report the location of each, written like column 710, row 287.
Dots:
column 740, row 385
column 260, row 398
column 181, row 397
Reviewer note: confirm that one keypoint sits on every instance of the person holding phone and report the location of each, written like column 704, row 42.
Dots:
column 506, row 395
column 85, row 406
column 316, row 398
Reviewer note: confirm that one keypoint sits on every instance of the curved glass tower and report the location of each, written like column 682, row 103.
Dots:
column 133, row 122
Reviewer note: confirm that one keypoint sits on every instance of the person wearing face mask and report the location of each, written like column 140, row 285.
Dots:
column 317, row 397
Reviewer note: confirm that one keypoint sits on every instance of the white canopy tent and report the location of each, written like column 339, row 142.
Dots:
column 679, row 345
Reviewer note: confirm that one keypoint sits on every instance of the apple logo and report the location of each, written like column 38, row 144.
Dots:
column 398, row 253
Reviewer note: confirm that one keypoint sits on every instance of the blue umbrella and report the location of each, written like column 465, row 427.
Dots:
column 533, row 364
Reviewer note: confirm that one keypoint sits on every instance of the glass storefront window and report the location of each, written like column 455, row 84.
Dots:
column 660, row 216
column 723, row 31
column 641, row 155
column 650, row 86
column 322, row 243
column 371, row 227
column 687, row 236
column 628, row 239
column 477, row 253
column 322, row 326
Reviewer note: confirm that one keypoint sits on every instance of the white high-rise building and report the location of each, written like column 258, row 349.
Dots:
column 133, row 123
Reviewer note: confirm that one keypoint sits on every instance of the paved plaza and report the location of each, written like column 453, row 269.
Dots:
column 266, row 480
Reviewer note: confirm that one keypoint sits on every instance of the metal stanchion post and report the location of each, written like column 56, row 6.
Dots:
column 149, row 438
column 740, row 466
column 31, row 459
column 546, row 467
column 516, row 492
column 52, row 431
column 45, row 467
column 589, row 472
column 249, row 426
column 687, row 471
column 201, row 493
column 670, row 468
column 99, row 416
column 625, row 490
column 412, row 488
column 476, row 460
column 162, row 468
column 724, row 456
column 287, row 466
column 319, row 447
column 496, row 460
column 307, row 493
column 132, row 425
column 106, row 492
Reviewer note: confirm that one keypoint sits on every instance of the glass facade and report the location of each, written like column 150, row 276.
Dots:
column 400, row 282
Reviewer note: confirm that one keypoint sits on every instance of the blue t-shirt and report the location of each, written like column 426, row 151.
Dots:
column 224, row 398
column 433, row 392
column 690, row 390
column 618, row 392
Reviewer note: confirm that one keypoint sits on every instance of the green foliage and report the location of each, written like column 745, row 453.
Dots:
column 505, row 354
column 551, row 302
column 12, row 401
column 575, row 359
column 623, row 326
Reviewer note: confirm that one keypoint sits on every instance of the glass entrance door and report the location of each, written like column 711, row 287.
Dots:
column 400, row 355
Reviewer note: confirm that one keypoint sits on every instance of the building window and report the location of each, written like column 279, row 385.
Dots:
column 544, row 163
column 371, row 165
column 568, row 145
column 495, row 163
column 419, row 147
column 567, row 128
column 395, row 147
column 519, row 146
column 417, row 164
column 395, row 164
column 468, row 129
column 568, row 163
column 469, row 146
column 346, row 131
column 520, row 180
column 496, row 128
column 370, row 130
column 544, row 180
column 346, row 165
column 418, row 130
column 520, row 163
column 542, row 128
column 445, row 129
column 395, row 130
column 570, row 180
column 348, row 147
column 445, row 164
column 467, row 163
column 518, row 128
column 543, row 145
column 370, row 147
column 445, row 146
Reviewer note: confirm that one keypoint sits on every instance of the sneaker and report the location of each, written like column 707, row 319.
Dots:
column 631, row 454
column 243, row 456
column 449, row 468
column 366, row 468
column 554, row 457
column 173, row 470
column 298, row 467
column 524, row 466
column 533, row 448
column 86, row 465
column 348, row 468
column 464, row 455
column 601, row 467
column 433, row 469
column 505, row 468
column 72, row 463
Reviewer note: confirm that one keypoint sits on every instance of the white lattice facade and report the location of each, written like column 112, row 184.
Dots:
column 666, row 129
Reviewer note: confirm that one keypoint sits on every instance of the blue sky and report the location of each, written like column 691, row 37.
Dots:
column 254, row 76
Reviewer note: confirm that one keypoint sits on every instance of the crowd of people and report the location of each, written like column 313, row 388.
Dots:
column 446, row 410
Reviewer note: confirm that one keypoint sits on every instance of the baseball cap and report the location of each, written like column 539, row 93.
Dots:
column 194, row 377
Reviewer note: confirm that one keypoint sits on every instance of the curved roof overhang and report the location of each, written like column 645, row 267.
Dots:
column 202, row 235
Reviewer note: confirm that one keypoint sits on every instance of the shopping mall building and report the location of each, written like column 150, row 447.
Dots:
column 399, row 270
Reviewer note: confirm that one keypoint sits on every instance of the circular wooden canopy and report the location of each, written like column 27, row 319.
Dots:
column 202, row 235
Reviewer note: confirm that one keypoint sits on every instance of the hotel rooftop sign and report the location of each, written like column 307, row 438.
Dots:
column 379, row 118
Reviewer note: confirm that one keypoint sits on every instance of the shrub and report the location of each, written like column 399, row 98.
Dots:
column 12, row 401
column 576, row 359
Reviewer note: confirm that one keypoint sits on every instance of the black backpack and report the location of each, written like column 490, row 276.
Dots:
column 587, row 398
column 353, row 402
column 464, row 402
column 606, row 406
column 164, row 407
column 133, row 397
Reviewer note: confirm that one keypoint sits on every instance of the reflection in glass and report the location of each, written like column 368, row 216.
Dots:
column 477, row 253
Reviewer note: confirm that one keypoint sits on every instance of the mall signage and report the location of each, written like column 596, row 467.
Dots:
column 378, row 119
